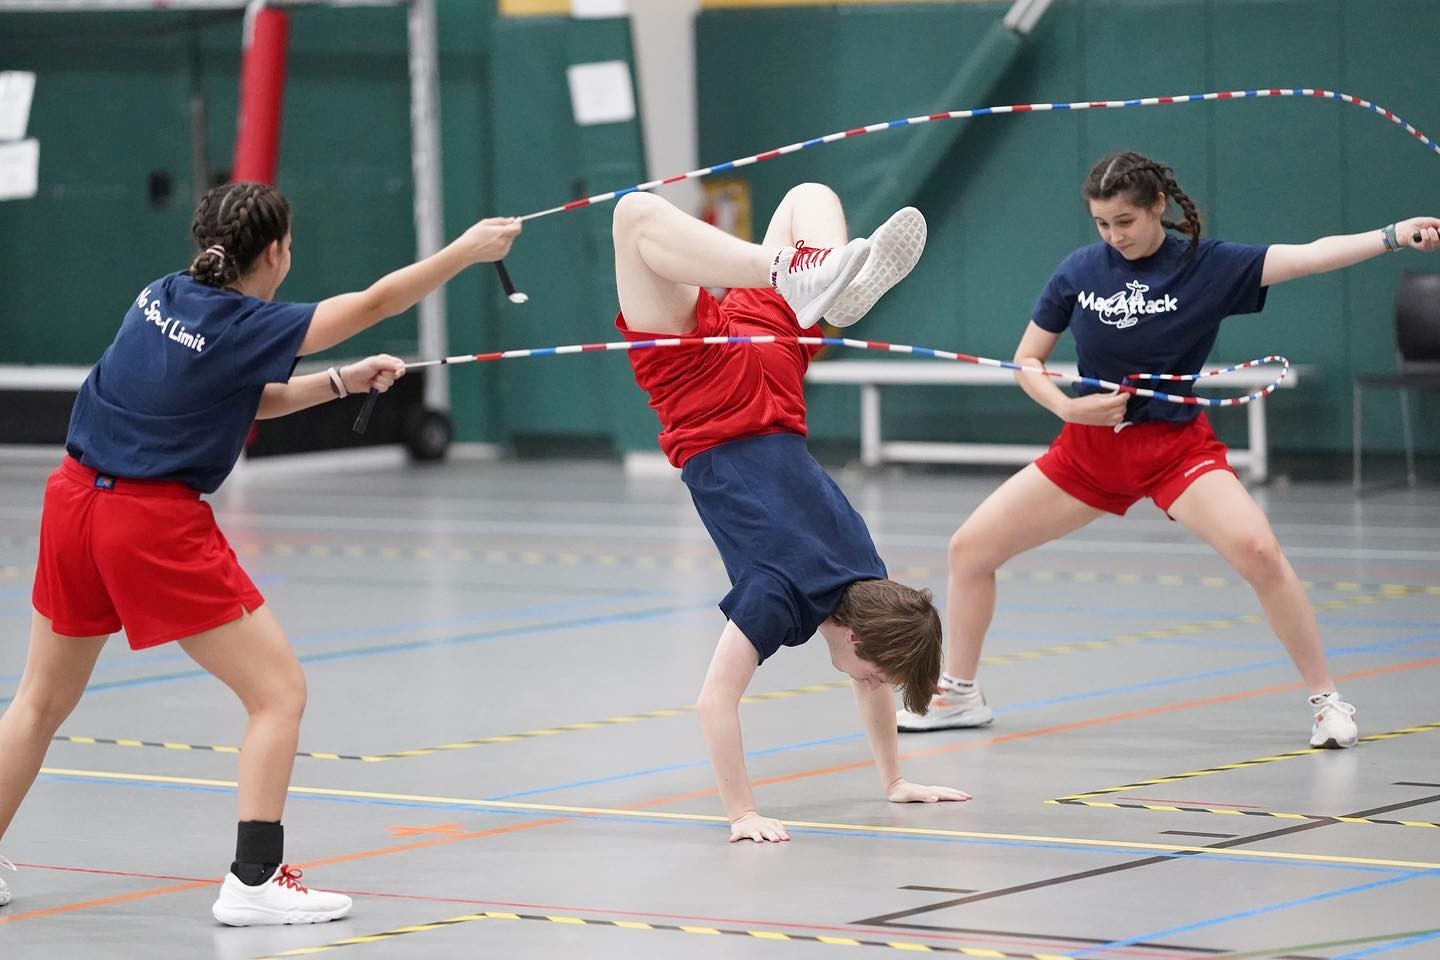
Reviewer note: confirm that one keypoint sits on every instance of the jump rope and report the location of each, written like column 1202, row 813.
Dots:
column 516, row 296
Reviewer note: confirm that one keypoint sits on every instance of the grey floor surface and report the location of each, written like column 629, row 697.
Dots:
column 500, row 758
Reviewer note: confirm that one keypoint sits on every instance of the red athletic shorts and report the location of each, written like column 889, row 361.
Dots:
column 145, row 555
column 1110, row 471
column 706, row 396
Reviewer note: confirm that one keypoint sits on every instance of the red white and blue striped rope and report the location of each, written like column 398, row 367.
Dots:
column 624, row 345
column 992, row 111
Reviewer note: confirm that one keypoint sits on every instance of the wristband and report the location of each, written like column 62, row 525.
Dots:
column 1387, row 237
column 337, row 384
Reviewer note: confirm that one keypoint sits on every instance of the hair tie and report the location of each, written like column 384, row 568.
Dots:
column 216, row 249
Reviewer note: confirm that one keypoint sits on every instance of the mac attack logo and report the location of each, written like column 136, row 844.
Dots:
column 1122, row 310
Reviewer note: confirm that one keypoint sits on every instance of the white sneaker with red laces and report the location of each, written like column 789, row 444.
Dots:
column 810, row 278
column 4, row 890
column 1335, row 727
column 895, row 248
column 281, row 899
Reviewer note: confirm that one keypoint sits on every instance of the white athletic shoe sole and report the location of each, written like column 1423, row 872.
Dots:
column 268, row 905
column 942, row 716
column 895, row 248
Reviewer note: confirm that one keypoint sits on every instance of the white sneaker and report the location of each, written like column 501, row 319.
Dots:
column 810, row 278
column 1334, row 723
column 4, row 890
column 895, row 248
column 949, row 710
column 281, row 899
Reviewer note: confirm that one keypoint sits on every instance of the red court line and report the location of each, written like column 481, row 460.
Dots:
column 106, row 901
column 1058, row 728
column 550, row 908
column 200, row 884
column 786, row 778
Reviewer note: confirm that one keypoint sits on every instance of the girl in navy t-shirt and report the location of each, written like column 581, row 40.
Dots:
column 126, row 542
column 1145, row 301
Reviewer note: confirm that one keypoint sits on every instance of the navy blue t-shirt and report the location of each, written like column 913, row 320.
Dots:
column 1158, row 314
column 790, row 539
column 174, row 395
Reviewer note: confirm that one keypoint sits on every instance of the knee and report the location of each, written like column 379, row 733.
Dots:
column 284, row 696
column 967, row 555
column 810, row 192
column 43, row 709
column 632, row 212
column 1258, row 559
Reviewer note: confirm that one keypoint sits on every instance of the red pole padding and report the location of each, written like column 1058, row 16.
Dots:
column 262, row 94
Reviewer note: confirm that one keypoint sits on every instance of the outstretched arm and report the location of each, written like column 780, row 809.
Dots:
column 312, row 389
column 1288, row 261
column 339, row 318
column 876, row 703
column 730, row 671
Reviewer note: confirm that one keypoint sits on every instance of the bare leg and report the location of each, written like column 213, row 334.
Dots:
column 663, row 256
column 1026, row 511
column 1219, row 510
column 252, row 657
column 56, row 671
column 810, row 212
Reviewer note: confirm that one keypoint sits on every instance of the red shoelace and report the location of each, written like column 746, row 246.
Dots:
column 807, row 257
column 288, row 876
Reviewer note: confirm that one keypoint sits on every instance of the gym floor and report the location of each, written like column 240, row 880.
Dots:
column 500, row 756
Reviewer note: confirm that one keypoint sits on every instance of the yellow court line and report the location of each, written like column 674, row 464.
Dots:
column 1233, row 812
column 771, row 935
column 1244, row 764
column 709, row 818
column 663, row 712
column 1386, row 592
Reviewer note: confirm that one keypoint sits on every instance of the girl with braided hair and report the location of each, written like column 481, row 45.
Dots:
column 1143, row 300
column 126, row 541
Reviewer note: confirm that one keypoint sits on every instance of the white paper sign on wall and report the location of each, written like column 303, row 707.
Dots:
column 601, row 92
column 17, row 88
column 19, row 169
column 598, row 9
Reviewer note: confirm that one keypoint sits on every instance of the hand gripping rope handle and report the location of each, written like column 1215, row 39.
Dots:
column 966, row 115
column 623, row 345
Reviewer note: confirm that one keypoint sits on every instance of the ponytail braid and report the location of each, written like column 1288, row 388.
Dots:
column 1142, row 181
column 232, row 226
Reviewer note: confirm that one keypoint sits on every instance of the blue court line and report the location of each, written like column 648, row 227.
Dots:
column 1387, row 947
column 499, row 634
column 690, row 765
column 1258, row 911
column 659, row 821
column 1133, row 612
column 1013, row 708
column 170, row 653
column 1383, row 646
column 1333, row 620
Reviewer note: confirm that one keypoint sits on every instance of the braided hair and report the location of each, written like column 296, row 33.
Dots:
column 1142, row 181
column 233, row 225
